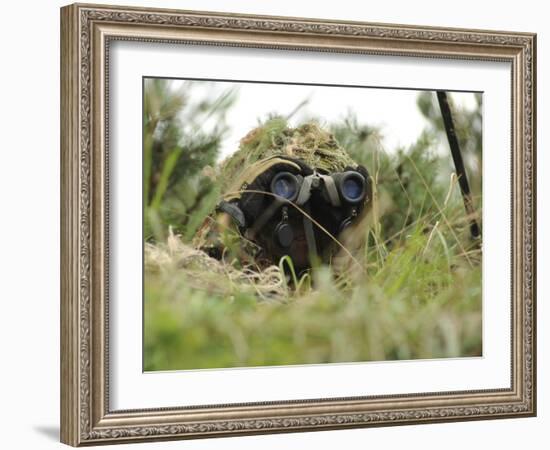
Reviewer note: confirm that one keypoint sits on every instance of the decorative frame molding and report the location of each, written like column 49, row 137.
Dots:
column 86, row 31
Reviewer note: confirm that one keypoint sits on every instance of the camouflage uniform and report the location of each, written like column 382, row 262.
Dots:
column 256, row 237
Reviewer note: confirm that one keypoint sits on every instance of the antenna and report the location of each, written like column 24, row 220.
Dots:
column 459, row 163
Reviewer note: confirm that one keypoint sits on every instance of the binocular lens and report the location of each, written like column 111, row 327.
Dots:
column 285, row 185
column 352, row 187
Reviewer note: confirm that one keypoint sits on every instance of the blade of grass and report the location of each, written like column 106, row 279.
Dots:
column 167, row 169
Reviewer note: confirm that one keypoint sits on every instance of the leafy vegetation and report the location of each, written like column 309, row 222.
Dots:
column 176, row 147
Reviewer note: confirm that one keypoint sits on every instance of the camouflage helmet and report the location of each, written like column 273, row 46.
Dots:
column 286, row 191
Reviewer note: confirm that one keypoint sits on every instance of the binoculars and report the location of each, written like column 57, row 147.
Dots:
column 292, row 209
column 342, row 192
column 340, row 188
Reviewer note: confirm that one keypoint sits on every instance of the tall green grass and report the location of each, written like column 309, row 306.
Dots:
column 423, row 301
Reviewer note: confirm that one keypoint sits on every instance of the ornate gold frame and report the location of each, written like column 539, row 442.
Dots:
column 86, row 31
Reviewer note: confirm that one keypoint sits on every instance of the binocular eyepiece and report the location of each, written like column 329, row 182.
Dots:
column 350, row 185
column 286, row 185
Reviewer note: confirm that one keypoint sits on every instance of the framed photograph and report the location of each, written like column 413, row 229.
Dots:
column 276, row 224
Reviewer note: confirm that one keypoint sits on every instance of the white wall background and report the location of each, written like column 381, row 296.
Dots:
column 29, row 223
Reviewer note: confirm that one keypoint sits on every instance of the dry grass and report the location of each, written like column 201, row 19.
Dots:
column 209, row 274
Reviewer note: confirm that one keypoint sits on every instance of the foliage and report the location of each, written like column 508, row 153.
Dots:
column 417, row 293
column 176, row 148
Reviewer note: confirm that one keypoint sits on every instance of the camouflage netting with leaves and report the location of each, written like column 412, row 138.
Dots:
column 308, row 142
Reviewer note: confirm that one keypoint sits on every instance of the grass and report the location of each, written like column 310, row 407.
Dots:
column 421, row 300
column 413, row 290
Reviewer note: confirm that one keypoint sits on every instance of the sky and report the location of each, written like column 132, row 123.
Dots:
column 393, row 111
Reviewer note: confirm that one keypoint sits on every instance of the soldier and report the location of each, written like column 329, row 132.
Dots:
column 288, row 191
